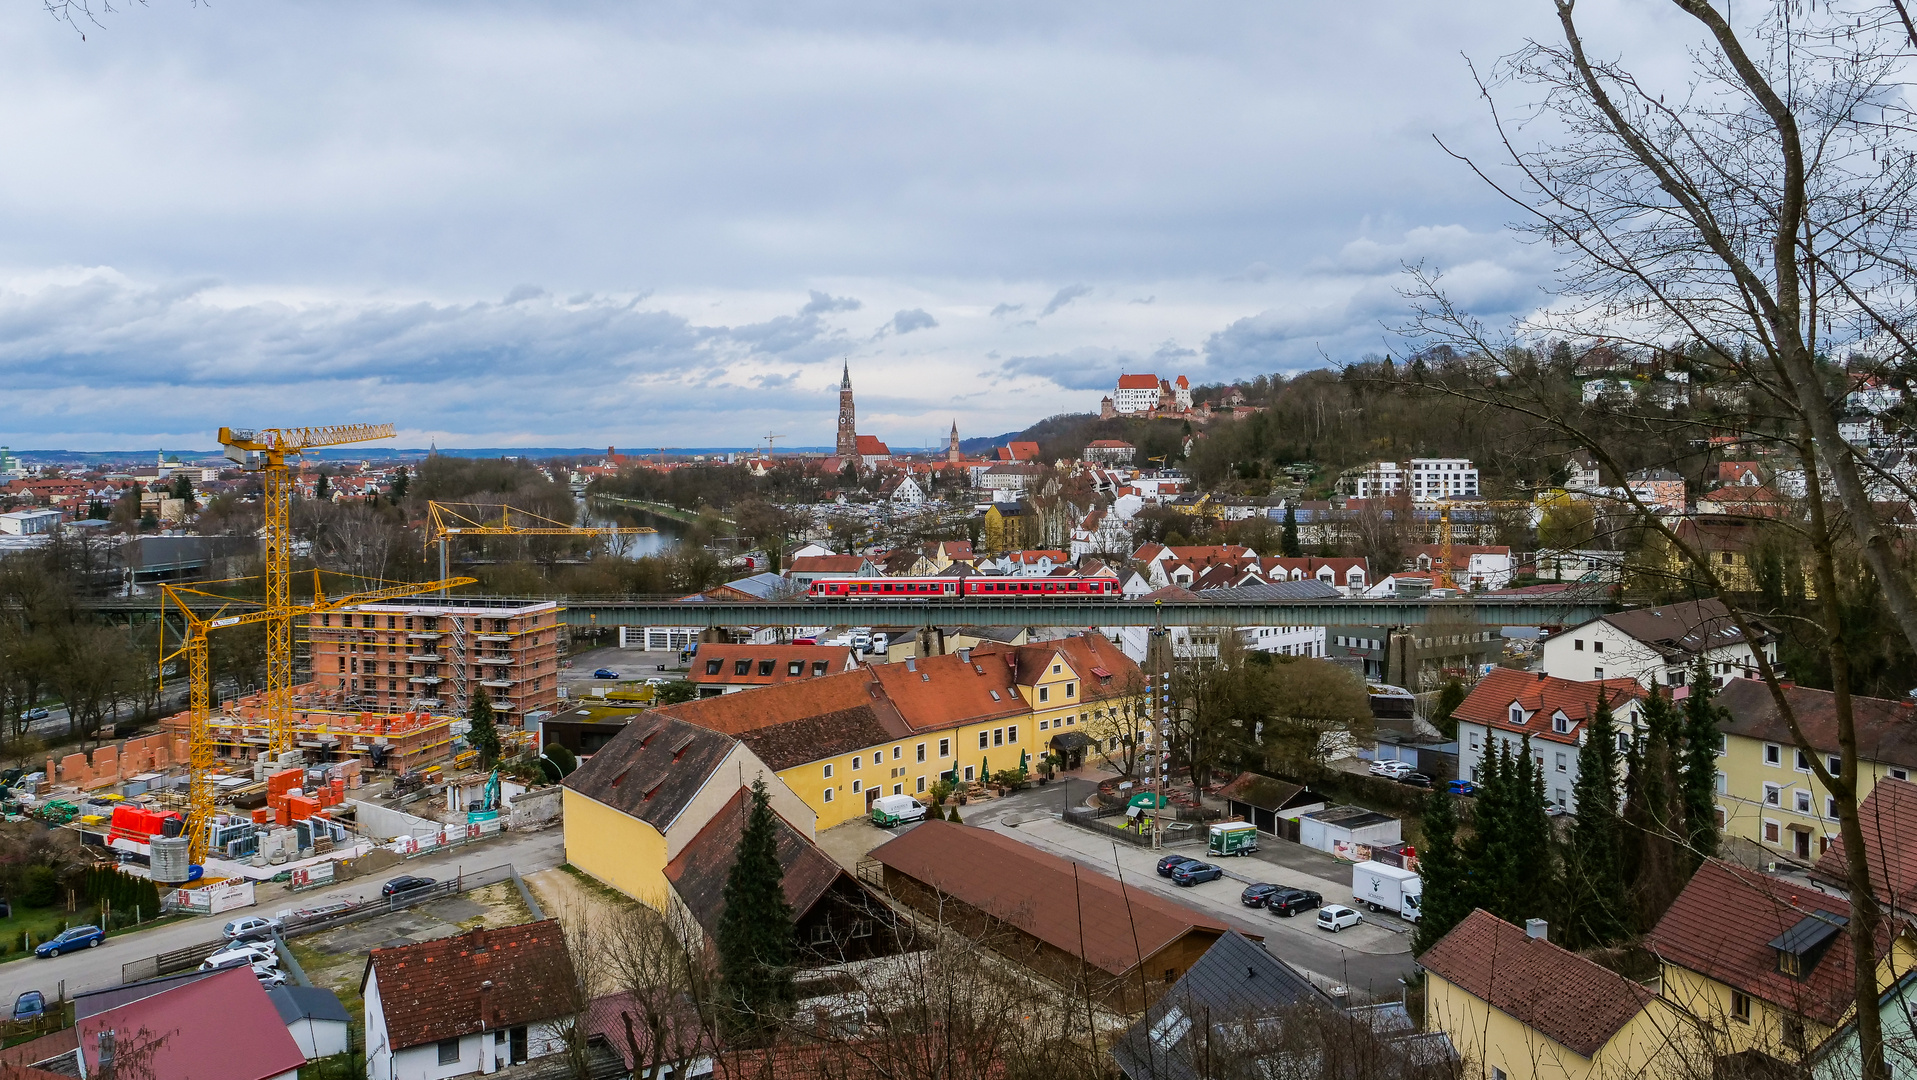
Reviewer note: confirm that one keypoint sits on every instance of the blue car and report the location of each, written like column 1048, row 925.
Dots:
column 1191, row 873
column 605, row 673
column 30, row 1005
column 1462, row 787
column 79, row 937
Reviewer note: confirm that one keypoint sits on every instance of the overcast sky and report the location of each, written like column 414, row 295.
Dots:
column 501, row 224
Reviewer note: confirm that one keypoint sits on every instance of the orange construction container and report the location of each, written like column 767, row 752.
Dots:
column 262, row 815
column 302, row 806
column 282, row 816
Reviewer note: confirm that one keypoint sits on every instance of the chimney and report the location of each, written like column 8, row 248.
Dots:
column 1537, row 929
column 965, row 655
column 1541, row 676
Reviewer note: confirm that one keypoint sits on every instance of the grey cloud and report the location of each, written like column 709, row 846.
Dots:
column 824, row 304
column 1065, row 296
column 1084, row 368
column 524, row 292
column 916, row 319
column 1007, row 309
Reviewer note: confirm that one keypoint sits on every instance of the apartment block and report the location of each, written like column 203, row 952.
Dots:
column 1443, row 478
column 418, row 657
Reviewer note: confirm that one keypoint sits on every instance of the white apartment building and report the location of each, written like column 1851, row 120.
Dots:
column 1443, row 478
column 1378, row 480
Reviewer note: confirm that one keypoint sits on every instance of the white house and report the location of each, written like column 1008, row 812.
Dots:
column 1658, row 645
column 1443, row 478
column 903, row 491
column 29, row 522
column 314, row 1017
column 1508, row 705
column 466, row 1005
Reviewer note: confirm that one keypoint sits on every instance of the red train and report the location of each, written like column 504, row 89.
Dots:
column 927, row 588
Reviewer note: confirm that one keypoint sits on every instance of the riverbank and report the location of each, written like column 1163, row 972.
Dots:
column 664, row 510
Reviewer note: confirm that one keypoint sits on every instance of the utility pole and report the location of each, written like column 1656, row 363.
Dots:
column 1158, row 666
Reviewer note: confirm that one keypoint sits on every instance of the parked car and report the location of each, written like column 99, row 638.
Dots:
column 270, row 980
column 1462, row 787
column 1555, row 811
column 38, row 712
column 605, row 673
column 1415, row 779
column 253, row 926
column 1390, row 768
column 1171, row 862
column 30, row 1005
column 78, row 937
column 891, row 810
column 246, row 953
column 1288, row 902
column 1191, row 873
column 404, row 883
column 1337, row 916
column 1256, row 895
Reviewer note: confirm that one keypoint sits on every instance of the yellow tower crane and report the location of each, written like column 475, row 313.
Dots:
column 448, row 520
column 193, row 647
column 265, row 451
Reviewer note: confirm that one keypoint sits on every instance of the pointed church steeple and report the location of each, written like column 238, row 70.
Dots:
column 952, row 448
column 845, row 379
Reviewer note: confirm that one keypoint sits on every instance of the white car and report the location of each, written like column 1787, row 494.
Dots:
column 242, row 954
column 1335, row 917
column 270, row 978
column 253, row 926
column 1393, row 769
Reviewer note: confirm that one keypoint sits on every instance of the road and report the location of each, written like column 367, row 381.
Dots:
column 93, row 969
column 1370, row 958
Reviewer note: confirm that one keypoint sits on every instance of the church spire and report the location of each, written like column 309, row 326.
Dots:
column 845, row 379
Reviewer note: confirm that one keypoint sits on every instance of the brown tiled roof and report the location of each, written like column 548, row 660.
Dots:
column 431, row 991
column 769, row 706
column 1087, row 655
column 1489, row 702
column 1036, row 892
column 1886, row 730
column 653, row 767
column 1722, row 926
column 836, row 658
column 810, row 738
column 1680, row 631
column 54, row 1043
column 826, row 564
column 699, row 872
column 1257, row 789
column 1551, row 990
column 1889, row 820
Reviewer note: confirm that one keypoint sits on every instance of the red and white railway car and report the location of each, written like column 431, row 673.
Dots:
column 931, row 588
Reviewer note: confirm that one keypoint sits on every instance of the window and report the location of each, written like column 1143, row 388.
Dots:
column 1558, row 796
column 1517, row 713
column 1597, row 674
column 820, row 934
column 898, row 789
column 898, row 752
column 828, row 794
column 998, row 736
column 795, row 667
column 984, row 740
column 878, row 757
column 1802, row 761
column 1740, row 1007
column 1723, row 744
column 1900, row 774
column 921, row 785
column 921, row 751
column 945, row 748
column 1044, row 693
column 1803, row 802
column 765, row 666
column 1563, row 766
column 1011, row 733
column 1046, row 725
column 828, row 770
column 857, row 760
column 1597, row 646
column 968, row 773
column 818, row 667
column 1830, row 808
column 1071, row 689
column 1560, row 724
column 1773, row 795
column 1577, row 644
column 1723, row 784
column 1771, row 832
column 1056, row 669
column 1498, row 1074
column 448, row 1051
column 1835, row 764
column 1773, row 754
column 1474, row 740
column 856, row 785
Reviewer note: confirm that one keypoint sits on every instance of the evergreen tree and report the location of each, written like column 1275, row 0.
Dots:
column 324, row 488
column 755, row 938
column 398, row 491
column 1533, row 875
column 1449, row 698
column 1448, row 888
column 1487, row 856
column 484, row 736
column 1595, row 899
column 1289, row 544
column 1654, row 825
column 1701, row 735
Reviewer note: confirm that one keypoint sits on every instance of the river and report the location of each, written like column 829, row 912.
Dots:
column 601, row 515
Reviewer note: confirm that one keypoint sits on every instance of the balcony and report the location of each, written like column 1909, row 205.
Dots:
column 427, row 680
column 498, row 684
column 492, row 659
column 425, row 634
column 424, row 658
column 493, row 637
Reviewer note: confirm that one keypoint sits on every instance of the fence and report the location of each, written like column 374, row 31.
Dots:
column 326, row 917
column 449, row 837
column 1094, row 821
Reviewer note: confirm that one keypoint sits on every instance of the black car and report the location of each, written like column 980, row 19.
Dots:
column 1256, row 895
column 1288, row 902
column 405, row 883
column 1415, row 779
column 1171, row 862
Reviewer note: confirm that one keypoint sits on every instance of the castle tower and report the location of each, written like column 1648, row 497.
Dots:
column 952, row 450
column 848, row 424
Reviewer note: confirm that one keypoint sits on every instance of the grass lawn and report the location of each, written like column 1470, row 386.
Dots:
column 42, row 923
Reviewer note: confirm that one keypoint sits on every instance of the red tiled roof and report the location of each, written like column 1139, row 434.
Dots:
column 222, row 1027
column 945, row 692
column 827, row 564
column 837, row 658
column 698, row 874
column 769, row 706
column 1886, row 730
column 431, row 990
column 1889, row 820
column 1110, row 444
column 1037, row 892
column 1138, row 382
column 1489, row 702
column 1722, row 925
column 1551, row 990
column 1023, row 451
column 870, row 446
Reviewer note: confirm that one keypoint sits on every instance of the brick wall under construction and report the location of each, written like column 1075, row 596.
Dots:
column 328, row 730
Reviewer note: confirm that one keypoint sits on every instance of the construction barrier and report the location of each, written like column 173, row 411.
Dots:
column 210, row 899
column 449, row 837
column 312, row 877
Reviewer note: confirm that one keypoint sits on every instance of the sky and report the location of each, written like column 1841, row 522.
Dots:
column 669, row 224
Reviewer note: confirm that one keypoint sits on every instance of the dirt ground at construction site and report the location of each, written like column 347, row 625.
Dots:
column 336, row 959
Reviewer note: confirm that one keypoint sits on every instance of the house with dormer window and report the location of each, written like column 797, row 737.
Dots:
column 1507, row 705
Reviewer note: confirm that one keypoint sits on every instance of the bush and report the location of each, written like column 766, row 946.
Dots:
column 954, row 818
column 39, row 887
column 562, row 758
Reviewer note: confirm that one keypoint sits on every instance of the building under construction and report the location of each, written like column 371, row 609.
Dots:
column 430, row 655
column 327, row 729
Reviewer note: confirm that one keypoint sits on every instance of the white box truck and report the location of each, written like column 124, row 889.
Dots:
column 1387, row 888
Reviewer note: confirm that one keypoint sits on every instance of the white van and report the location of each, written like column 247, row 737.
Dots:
column 890, row 810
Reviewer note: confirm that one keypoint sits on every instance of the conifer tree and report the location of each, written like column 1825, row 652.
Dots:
column 1532, row 871
column 1289, row 543
column 400, row 480
column 1448, row 888
column 484, row 735
column 1487, row 857
column 755, row 938
column 1595, row 899
column 1701, row 734
column 1654, row 826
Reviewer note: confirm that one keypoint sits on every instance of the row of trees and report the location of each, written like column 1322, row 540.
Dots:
column 1644, row 820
